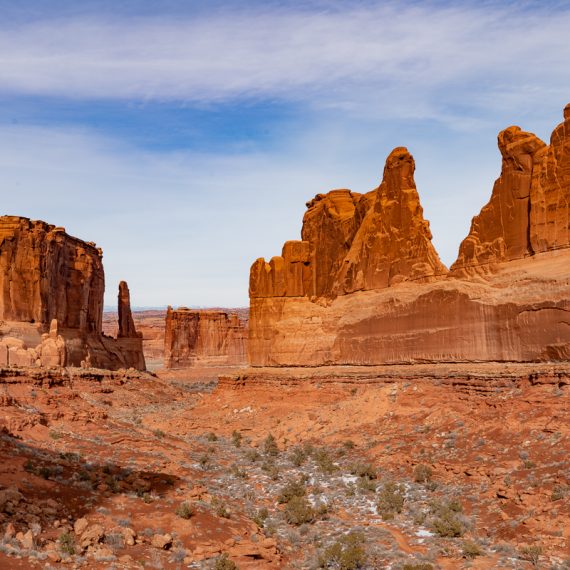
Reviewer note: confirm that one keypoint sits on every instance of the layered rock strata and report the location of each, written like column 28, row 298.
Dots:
column 366, row 286
column 204, row 338
column 51, row 301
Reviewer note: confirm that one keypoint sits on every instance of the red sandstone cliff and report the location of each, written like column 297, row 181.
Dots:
column 204, row 337
column 529, row 210
column 51, row 301
column 46, row 274
column 365, row 286
column 354, row 242
column 550, row 192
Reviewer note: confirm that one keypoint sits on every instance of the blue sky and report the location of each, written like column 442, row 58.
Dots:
column 185, row 137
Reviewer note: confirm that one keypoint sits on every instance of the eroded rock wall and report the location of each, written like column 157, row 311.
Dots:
column 374, row 290
column 550, row 192
column 46, row 274
column 205, row 338
column 51, row 301
column 353, row 242
column 529, row 209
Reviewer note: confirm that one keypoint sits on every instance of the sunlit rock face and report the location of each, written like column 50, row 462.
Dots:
column 366, row 286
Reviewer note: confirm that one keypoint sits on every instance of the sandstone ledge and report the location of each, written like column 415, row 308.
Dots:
column 482, row 377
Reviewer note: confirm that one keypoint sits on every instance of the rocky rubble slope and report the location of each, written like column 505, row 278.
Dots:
column 423, row 467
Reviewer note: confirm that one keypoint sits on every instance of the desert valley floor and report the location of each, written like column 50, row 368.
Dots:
column 410, row 467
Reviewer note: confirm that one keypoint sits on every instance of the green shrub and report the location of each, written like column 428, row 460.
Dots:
column 221, row 509
column 224, row 563
column 236, row 438
column 211, row 436
column 423, row 474
column 390, row 500
column 471, row 549
column 205, row 461
column 559, row 492
column 290, row 490
column 185, row 510
column 446, row 522
column 45, row 472
column 159, row 433
column 347, row 553
column 260, row 517
column 417, row 566
column 532, row 554
column 270, row 446
column 298, row 456
column 324, row 461
column 363, row 470
column 67, row 543
column 252, row 455
column 237, row 471
column 366, row 484
column 298, row 511
column 271, row 468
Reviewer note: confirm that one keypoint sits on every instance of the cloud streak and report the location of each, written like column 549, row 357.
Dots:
column 402, row 58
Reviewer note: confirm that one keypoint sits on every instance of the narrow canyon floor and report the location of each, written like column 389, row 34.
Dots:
column 401, row 467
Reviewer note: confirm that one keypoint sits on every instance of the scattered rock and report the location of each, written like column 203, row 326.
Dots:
column 162, row 541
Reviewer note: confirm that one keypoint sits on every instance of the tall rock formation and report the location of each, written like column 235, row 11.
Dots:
column 393, row 242
column 354, row 242
column 529, row 209
column 329, row 227
column 47, row 274
column 366, row 286
column 550, row 192
column 51, row 301
column 129, row 340
column 501, row 231
column 204, row 338
column 126, row 323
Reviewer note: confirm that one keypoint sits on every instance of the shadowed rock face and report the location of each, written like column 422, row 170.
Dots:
column 366, row 286
column 501, row 231
column 204, row 337
column 51, row 301
column 329, row 226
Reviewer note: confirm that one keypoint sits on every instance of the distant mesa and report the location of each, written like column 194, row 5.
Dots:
column 365, row 285
column 51, row 301
column 205, row 338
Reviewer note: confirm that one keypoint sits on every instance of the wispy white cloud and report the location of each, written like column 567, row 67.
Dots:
column 400, row 60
